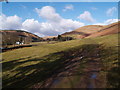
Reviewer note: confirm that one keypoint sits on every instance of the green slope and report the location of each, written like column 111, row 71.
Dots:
column 34, row 66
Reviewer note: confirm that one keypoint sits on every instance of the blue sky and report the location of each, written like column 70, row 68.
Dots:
column 27, row 9
column 63, row 0
column 87, row 13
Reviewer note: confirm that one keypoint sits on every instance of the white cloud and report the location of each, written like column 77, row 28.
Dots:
column 68, row 7
column 99, row 23
column 10, row 22
column 54, row 25
column 31, row 25
column 39, row 34
column 86, row 16
column 111, row 11
column 48, row 13
column 38, row 28
column 49, row 29
column 109, row 21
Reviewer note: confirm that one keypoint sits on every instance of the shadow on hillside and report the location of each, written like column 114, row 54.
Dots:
column 49, row 66
column 114, row 77
column 111, row 66
column 16, row 47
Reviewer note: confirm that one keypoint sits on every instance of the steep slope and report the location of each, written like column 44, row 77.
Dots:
column 83, row 31
column 89, row 29
column 106, row 30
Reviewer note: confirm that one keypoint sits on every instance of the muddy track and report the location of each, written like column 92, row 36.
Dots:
column 91, row 74
column 91, row 77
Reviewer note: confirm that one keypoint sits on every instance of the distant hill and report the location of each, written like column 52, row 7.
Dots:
column 12, row 36
column 107, row 30
column 46, row 37
column 83, row 31
column 89, row 29
column 93, row 31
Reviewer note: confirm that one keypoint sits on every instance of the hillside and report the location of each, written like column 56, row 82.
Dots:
column 12, row 36
column 49, row 37
column 90, row 29
column 86, row 63
column 107, row 30
column 93, row 31
column 83, row 31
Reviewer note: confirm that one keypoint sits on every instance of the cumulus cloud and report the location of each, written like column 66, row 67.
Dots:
column 111, row 11
column 68, row 7
column 10, row 22
column 109, row 21
column 41, row 29
column 31, row 25
column 54, row 25
column 49, row 13
column 86, row 16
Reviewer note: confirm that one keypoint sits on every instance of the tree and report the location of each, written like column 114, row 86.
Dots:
column 59, row 37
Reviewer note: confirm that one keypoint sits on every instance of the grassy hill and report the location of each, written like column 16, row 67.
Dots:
column 83, row 31
column 64, row 64
column 12, row 36
column 93, row 31
column 89, row 29
column 107, row 30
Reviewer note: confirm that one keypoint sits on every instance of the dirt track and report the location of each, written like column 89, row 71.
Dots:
column 90, row 76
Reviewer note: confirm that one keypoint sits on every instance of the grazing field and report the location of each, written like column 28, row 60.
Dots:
column 53, row 64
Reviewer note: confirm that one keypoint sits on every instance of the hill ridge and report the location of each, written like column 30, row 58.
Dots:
column 91, row 30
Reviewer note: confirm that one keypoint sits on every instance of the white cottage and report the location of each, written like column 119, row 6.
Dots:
column 19, row 43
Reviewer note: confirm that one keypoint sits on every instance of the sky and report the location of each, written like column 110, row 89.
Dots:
column 63, row 0
column 53, row 18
